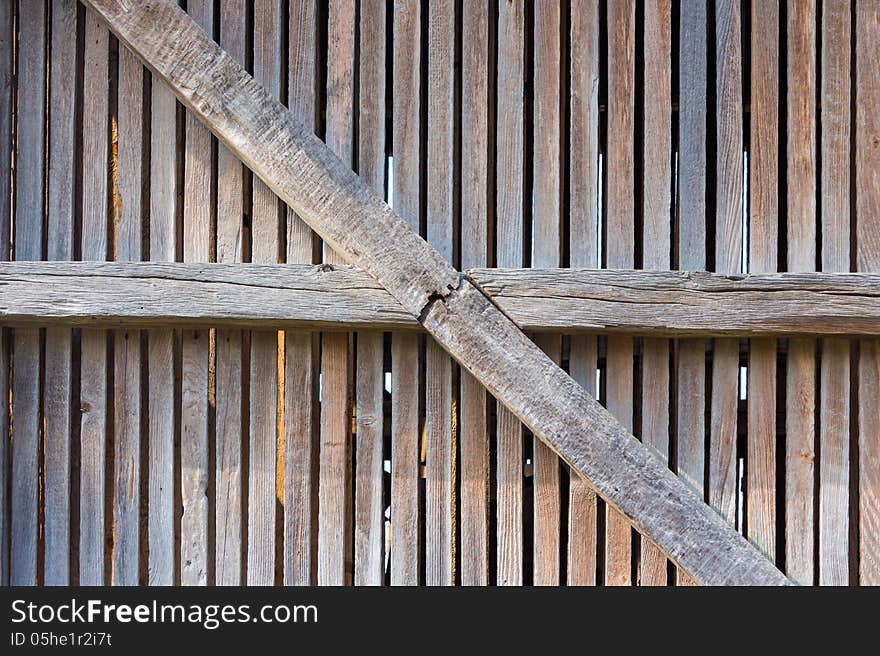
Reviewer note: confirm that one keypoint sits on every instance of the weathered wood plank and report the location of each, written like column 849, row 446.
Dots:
column 867, row 173
column 334, row 524
column 369, row 517
column 572, row 300
column 462, row 319
column 546, row 252
column 721, row 480
column 509, row 252
column 405, row 433
column 127, row 347
column 299, row 347
column 657, row 200
column 834, row 407
column 801, row 371
column 93, row 379
column 584, row 219
column 228, row 343
column 763, row 229
column 161, row 343
column 59, row 245
column 473, row 431
column 7, row 86
column 620, row 252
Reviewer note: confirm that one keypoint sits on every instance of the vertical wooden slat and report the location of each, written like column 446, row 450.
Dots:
column 163, row 247
column 657, row 198
column 801, row 372
column 404, row 348
column 834, row 417
column 620, row 250
column 763, row 211
column 264, row 344
column 868, row 240
column 197, row 207
column 509, row 237
column 228, row 373
column 29, row 189
column 335, row 502
column 59, row 243
column 299, row 351
column 93, row 378
column 7, row 83
column 584, row 211
column 546, row 242
column 127, row 349
column 439, row 437
column 721, row 479
column 691, row 371
column 473, row 435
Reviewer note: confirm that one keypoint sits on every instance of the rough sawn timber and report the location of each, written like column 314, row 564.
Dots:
column 355, row 221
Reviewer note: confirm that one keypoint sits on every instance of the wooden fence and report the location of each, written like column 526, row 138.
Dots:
column 687, row 135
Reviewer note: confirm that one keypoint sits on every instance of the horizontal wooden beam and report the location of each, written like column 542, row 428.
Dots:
column 360, row 226
column 344, row 297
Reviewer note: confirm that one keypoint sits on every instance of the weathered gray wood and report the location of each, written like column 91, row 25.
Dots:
column 800, row 412
column 473, row 434
column 509, row 252
column 28, row 245
column 369, row 517
column 323, row 296
column 620, row 251
column 228, row 343
column 406, row 198
column 161, row 349
column 334, row 529
column 265, row 231
column 584, row 219
column 834, row 408
column 461, row 318
column 300, row 350
column 59, row 245
column 127, row 347
column 721, row 480
column 763, row 228
column 867, row 126
column 657, row 197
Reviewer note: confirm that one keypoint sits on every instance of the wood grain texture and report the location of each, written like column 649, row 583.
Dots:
column 263, row 411
column 509, row 252
column 664, row 303
column 763, row 228
column 161, row 343
column 59, row 245
column 300, row 348
column 473, row 434
column 721, row 490
column 546, row 252
column 440, row 446
column 583, row 252
column 127, row 346
column 462, row 320
column 620, row 251
column 405, row 428
column 800, row 412
column 867, row 144
column 93, row 373
column 228, row 490
column 657, row 200
column 835, row 401
column 7, row 86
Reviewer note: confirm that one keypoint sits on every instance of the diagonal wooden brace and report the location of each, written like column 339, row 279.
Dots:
column 358, row 224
